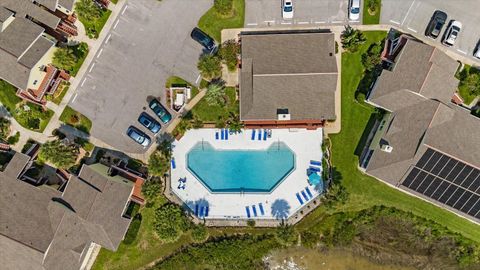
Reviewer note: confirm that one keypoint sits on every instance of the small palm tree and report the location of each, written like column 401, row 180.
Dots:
column 234, row 123
column 210, row 66
column 352, row 38
column 64, row 58
column 215, row 94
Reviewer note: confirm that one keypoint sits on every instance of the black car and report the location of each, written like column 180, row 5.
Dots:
column 202, row 38
column 436, row 23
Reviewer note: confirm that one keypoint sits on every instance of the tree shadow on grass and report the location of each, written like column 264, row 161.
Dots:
column 280, row 209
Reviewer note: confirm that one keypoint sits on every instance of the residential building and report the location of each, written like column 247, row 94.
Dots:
column 424, row 144
column 43, row 228
column 288, row 79
column 28, row 34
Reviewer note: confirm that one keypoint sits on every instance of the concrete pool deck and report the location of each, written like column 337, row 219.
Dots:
column 281, row 203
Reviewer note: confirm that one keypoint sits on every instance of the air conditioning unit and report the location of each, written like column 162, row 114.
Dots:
column 283, row 114
column 386, row 148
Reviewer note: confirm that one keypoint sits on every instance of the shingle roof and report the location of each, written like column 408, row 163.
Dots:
column 419, row 68
column 19, row 36
column 289, row 69
column 26, row 7
column 31, row 57
column 68, row 4
column 4, row 14
column 50, row 4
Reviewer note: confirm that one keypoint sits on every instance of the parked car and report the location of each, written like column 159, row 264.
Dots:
column 150, row 123
column 160, row 111
column 436, row 24
column 452, row 32
column 138, row 136
column 476, row 52
column 354, row 10
column 202, row 38
column 287, row 9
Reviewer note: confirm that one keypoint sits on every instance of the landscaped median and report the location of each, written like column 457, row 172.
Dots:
column 224, row 14
column 92, row 17
column 75, row 119
column 371, row 11
column 28, row 115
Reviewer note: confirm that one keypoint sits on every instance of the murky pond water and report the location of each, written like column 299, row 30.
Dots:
column 299, row 258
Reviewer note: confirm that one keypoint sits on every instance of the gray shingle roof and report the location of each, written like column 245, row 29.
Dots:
column 68, row 4
column 42, row 222
column 19, row 36
column 4, row 14
column 419, row 68
column 50, row 4
column 290, row 69
column 38, row 49
column 23, row 8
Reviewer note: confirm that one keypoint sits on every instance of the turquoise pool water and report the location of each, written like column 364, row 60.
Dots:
column 240, row 170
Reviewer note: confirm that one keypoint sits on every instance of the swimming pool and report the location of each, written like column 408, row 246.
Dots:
column 240, row 170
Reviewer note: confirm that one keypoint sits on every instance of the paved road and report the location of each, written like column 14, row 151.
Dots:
column 149, row 42
column 413, row 16
column 261, row 13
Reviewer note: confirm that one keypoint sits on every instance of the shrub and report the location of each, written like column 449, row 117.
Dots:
column 170, row 222
column 286, row 235
column 371, row 59
column 209, row 66
column 157, row 164
column 199, row 233
column 12, row 140
column 229, row 52
column 373, row 6
column 151, row 189
column 88, row 10
column 4, row 128
column 223, row 7
column 132, row 232
column 64, row 58
column 309, row 239
column 471, row 82
column 251, row 223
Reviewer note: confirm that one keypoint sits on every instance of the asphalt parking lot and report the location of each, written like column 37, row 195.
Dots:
column 414, row 15
column 148, row 42
column 261, row 13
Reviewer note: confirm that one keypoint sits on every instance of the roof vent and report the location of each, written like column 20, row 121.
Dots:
column 386, row 148
column 283, row 114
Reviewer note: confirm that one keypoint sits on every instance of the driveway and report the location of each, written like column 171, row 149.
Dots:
column 413, row 16
column 261, row 13
column 149, row 41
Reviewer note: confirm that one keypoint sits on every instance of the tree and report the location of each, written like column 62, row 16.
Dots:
column 157, row 164
column 199, row 233
column 165, row 147
column 229, row 52
column 223, row 7
column 64, row 58
column 58, row 154
column 88, row 10
column 234, row 122
column 373, row 6
column 4, row 128
column 170, row 222
column 472, row 83
column 210, row 66
column 371, row 59
column 286, row 235
column 151, row 189
column 215, row 94
column 352, row 38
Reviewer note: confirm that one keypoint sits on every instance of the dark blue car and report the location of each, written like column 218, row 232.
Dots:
column 202, row 38
column 150, row 123
column 138, row 136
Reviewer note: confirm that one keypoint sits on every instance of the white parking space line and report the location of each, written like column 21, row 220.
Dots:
column 115, row 26
column 355, row 21
column 337, row 21
column 303, row 22
column 91, row 67
column 83, row 82
column 74, row 97
column 409, row 9
column 460, row 51
column 252, row 23
column 411, row 29
column 319, row 22
column 395, row 22
column 124, row 9
column 100, row 53
column 108, row 38
column 286, row 23
column 198, row 79
column 271, row 21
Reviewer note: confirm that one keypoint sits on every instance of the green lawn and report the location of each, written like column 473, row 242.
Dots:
column 59, row 94
column 212, row 23
column 75, row 119
column 28, row 115
column 209, row 113
column 371, row 19
column 114, row 1
column 81, row 54
column 94, row 27
column 174, row 80
column 366, row 191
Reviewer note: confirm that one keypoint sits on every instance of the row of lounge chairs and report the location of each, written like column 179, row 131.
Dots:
column 306, row 195
column 222, row 135
column 267, row 133
column 254, row 210
column 201, row 211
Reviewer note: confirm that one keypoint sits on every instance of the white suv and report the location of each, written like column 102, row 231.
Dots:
column 452, row 33
column 354, row 10
column 287, row 9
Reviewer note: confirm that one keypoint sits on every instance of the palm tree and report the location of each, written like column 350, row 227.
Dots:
column 88, row 10
column 210, row 66
column 215, row 94
column 58, row 154
column 64, row 58
column 234, row 123
column 352, row 38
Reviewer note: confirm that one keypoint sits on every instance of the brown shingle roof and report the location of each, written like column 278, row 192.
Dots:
column 288, row 69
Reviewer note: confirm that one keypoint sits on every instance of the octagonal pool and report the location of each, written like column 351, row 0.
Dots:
column 240, row 170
